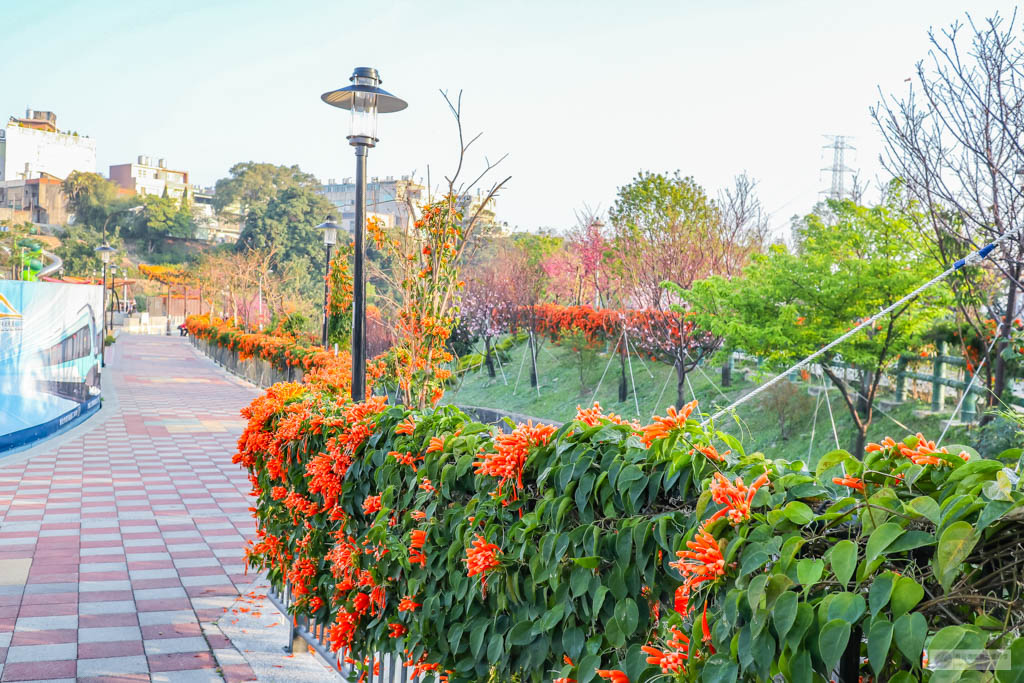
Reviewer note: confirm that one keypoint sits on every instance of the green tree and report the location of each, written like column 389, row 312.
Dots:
column 253, row 185
column 78, row 250
column 92, row 199
column 788, row 305
column 287, row 226
column 163, row 217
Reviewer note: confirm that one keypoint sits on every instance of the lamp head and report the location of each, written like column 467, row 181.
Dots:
column 330, row 229
column 105, row 251
column 364, row 99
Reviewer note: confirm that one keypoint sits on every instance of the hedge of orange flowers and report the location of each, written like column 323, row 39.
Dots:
column 319, row 366
column 609, row 550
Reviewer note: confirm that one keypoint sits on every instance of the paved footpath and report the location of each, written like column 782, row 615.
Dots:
column 121, row 542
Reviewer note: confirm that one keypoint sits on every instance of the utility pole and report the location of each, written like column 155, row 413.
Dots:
column 838, row 144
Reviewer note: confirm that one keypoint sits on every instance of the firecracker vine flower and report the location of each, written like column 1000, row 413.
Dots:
column 371, row 505
column 481, row 557
column 734, row 496
column 614, row 675
column 703, row 562
column 851, row 482
column 511, row 450
column 663, row 427
column 406, row 604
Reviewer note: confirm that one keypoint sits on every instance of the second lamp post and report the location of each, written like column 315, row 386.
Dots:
column 105, row 251
column 364, row 99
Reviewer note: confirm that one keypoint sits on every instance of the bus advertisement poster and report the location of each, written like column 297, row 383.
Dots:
column 50, row 337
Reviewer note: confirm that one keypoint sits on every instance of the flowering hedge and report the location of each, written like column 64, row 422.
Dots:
column 282, row 351
column 607, row 550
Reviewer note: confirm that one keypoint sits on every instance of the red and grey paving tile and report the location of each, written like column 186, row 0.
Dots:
column 121, row 547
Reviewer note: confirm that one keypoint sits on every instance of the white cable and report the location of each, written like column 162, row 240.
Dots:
column 828, row 403
column 973, row 257
column 814, row 424
column 671, row 371
column 611, row 357
column 629, row 360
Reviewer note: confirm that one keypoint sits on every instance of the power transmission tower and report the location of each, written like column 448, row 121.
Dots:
column 838, row 144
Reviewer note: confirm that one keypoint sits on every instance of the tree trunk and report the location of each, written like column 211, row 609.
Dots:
column 487, row 356
column 533, row 361
column 623, row 386
column 849, row 665
column 727, row 372
column 999, row 382
column 680, row 383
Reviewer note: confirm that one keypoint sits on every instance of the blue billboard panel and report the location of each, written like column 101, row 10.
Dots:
column 50, row 345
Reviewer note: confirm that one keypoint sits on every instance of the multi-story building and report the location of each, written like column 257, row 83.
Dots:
column 146, row 177
column 387, row 198
column 223, row 226
column 34, row 146
column 41, row 199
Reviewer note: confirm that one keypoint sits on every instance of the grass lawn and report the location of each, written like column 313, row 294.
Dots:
column 756, row 422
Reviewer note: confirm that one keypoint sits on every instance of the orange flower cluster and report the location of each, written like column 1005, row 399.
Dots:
column 594, row 416
column 852, row 482
column 702, row 562
column 481, row 557
column 735, row 497
column 507, row 461
column 662, row 427
column 922, row 454
column 614, row 675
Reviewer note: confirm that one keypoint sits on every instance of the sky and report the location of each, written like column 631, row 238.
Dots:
column 580, row 95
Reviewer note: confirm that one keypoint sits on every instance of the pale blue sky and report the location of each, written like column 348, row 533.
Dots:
column 580, row 94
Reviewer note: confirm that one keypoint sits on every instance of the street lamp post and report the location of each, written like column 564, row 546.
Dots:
column 105, row 251
column 113, row 293
column 330, row 230
column 364, row 99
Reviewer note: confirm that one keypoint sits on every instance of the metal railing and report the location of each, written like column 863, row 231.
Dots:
column 392, row 668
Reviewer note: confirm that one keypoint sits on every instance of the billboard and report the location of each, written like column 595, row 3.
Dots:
column 50, row 344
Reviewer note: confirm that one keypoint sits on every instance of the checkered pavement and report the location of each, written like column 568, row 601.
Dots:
column 122, row 547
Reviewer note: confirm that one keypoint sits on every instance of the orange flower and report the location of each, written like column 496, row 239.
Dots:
column 852, row 482
column 735, row 497
column 702, row 562
column 664, row 426
column 406, row 426
column 406, row 604
column 436, row 444
column 418, row 515
column 614, row 675
column 594, row 416
column 481, row 557
column 669, row 662
column 511, row 453
column 371, row 505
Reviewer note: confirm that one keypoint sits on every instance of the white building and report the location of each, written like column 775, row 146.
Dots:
column 151, row 176
column 33, row 146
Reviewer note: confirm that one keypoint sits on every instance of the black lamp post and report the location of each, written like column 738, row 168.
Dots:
column 105, row 251
column 113, row 293
column 364, row 99
column 330, row 229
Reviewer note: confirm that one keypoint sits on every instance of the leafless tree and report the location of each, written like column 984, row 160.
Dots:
column 954, row 139
column 744, row 223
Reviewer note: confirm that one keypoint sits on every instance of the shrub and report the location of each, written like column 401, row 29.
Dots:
column 603, row 549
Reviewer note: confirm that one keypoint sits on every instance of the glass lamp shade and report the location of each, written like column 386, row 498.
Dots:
column 363, row 120
column 330, row 236
column 105, row 252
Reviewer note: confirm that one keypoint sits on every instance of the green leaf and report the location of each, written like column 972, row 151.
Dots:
column 800, row 667
column 880, row 591
column 1011, row 663
column 906, row 593
column 592, row 562
column 927, row 507
column 579, row 580
column 627, row 614
column 551, row 617
column 784, row 613
column 910, row 632
column 831, row 459
column 572, row 642
column 880, row 539
column 879, row 640
column 476, row 637
column 846, row 606
column 808, row 571
column 719, row 669
column 798, row 513
column 755, row 590
column 843, row 560
column 955, row 544
column 521, row 633
column 602, row 591
column 832, row 641
column 909, row 541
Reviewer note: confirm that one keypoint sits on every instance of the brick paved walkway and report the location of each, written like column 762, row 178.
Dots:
column 121, row 547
